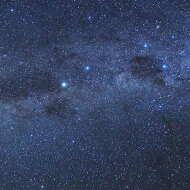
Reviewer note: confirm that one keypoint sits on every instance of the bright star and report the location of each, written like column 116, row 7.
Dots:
column 164, row 66
column 63, row 84
column 87, row 68
column 145, row 45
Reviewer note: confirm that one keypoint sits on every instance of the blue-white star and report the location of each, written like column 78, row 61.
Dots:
column 164, row 66
column 87, row 68
column 145, row 45
column 160, row 106
column 64, row 84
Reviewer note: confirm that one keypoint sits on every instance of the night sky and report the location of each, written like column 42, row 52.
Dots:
column 94, row 94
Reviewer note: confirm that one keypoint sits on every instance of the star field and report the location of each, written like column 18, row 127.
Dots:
column 94, row 95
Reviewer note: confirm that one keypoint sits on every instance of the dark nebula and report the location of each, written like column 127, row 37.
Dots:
column 145, row 66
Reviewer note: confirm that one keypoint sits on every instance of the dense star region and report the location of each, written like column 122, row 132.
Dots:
column 95, row 95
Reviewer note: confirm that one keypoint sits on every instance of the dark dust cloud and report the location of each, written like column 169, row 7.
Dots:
column 94, row 95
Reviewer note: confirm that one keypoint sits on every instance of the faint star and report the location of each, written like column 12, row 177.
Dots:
column 160, row 106
column 145, row 45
